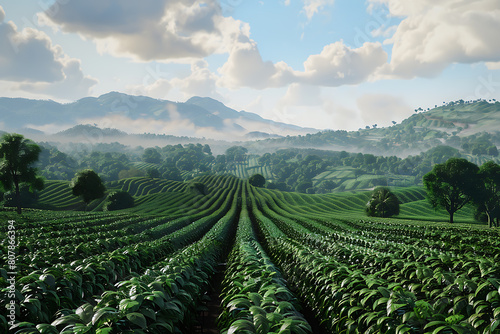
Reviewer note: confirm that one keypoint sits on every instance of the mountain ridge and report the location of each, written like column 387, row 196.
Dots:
column 197, row 117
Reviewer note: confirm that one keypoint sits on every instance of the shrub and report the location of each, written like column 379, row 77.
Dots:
column 383, row 203
column 119, row 200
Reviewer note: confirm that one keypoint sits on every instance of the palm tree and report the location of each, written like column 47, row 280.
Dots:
column 383, row 203
column 17, row 154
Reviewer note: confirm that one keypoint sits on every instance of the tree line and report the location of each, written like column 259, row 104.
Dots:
column 451, row 186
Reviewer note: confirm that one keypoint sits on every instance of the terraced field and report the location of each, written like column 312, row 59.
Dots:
column 279, row 263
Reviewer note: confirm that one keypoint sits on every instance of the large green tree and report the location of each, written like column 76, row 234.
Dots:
column 88, row 185
column 382, row 203
column 17, row 155
column 451, row 185
column 489, row 196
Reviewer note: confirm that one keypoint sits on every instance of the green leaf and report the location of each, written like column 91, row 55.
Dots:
column 67, row 320
column 129, row 305
column 403, row 328
column 103, row 315
column 241, row 325
column 261, row 324
column 439, row 329
column 47, row 329
column 353, row 309
column 85, row 312
column 137, row 319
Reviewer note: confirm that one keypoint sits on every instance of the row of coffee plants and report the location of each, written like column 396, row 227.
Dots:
column 161, row 299
column 43, row 292
column 375, row 283
column 256, row 298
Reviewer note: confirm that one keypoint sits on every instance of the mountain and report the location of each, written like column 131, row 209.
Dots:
column 197, row 117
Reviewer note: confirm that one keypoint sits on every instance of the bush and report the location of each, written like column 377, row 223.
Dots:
column 303, row 186
column 119, row 200
column 383, row 203
column 197, row 188
column 257, row 180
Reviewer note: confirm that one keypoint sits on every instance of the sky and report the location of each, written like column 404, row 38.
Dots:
column 325, row 64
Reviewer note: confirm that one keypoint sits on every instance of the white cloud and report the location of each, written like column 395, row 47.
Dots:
column 493, row 65
column 245, row 67
column 382, row 109
column 312, row 7
column 434, row 34
column 158, row 89
column 28, row 55
column 200, row 82
column 31, row 63
column 162, row 30
column 341, row 117
column 73, row 86
column 336, row 65
column 302, row 95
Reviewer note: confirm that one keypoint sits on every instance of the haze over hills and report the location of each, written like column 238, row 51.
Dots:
column 197, row 117
column 139, row 120
column 452, row 124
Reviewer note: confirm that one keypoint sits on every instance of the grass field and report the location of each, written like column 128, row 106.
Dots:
column 270, row 262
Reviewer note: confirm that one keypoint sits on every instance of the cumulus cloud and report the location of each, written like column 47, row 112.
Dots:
column 28, row 55
column 336, row 65
column 201, row 82
column 74, row 84
column 434, row 34
column 30, row 62
column 162, row 30
column 245, row 67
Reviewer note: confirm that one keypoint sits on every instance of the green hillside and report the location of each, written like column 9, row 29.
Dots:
column 454, row 123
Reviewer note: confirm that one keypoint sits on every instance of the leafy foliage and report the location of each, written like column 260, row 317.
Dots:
column 17, row 156
column 119, row 200
column 88, row 185
column 257, row 180
column 383, row 203
column 452, row 185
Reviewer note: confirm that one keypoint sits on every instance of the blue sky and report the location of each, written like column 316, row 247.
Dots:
column 326, row 64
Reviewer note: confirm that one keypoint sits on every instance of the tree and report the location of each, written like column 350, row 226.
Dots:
column 489, row 196
column 151, row 155
column 451, row 185
column 153, row 173
column 257, row 180
column 119, row 200
column 88, row 185
column 382, row 203
column 303, row 186
column 17, row 154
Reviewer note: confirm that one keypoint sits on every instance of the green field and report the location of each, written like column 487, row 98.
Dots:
column 261, row 261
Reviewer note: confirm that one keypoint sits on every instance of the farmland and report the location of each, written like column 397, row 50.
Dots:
column 283, row 262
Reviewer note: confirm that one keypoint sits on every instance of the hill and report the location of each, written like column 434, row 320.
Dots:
column 197, row 117
column 458, row 124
